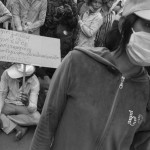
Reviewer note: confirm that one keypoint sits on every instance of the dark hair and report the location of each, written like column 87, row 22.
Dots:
column 119, row 39
column 89, row 2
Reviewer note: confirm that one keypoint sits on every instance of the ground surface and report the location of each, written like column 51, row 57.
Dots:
column 8, row 142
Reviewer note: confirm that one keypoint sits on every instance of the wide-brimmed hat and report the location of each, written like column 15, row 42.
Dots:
column 16, row 70
column 139, row 7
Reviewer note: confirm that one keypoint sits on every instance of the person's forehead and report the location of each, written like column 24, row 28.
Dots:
column 141, row 21
column 142, row 25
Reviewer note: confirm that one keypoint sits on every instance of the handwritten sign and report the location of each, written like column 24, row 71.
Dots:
column 29, row 49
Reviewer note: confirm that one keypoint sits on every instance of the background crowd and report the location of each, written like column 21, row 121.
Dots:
column 75, row 23
column 60, row 19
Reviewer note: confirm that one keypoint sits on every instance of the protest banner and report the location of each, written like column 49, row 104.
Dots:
column 31, row 49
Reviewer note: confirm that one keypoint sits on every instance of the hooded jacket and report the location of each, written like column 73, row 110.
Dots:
column 91, row 106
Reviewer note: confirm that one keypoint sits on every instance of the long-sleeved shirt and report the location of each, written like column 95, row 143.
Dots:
column 29, row 11
column 89, row 26
column 4, row 13
column 10, row 90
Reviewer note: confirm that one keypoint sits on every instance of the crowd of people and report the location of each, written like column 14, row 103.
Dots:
column 98, row 98
column 81, row 22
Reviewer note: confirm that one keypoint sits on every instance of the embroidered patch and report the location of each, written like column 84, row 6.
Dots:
column 133, row 119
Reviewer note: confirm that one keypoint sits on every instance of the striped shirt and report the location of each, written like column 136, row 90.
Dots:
column 106, row 26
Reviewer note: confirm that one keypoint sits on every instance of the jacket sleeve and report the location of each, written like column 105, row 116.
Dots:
column 53, row 108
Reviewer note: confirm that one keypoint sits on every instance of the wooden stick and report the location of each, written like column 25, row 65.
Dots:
column 23, row 82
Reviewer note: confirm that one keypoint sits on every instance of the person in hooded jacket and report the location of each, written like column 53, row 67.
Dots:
column 99, row 98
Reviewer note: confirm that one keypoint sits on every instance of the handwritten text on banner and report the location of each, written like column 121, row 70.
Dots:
column 29, row 49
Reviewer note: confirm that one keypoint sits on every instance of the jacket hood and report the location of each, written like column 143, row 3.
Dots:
column 100, row 54
column 104, row 56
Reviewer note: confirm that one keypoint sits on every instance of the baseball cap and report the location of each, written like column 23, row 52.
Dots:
column 139, row 7
column 114, row 4
column 16, row 70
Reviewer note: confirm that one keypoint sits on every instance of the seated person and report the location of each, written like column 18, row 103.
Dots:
column 18, row 102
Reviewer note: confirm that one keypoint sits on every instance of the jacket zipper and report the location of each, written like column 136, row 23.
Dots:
column 111, row 113
column 122, row 81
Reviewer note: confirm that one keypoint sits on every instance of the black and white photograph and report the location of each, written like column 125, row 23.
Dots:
column 74, row 74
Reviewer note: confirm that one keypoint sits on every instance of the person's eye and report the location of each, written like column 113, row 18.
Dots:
column 147, row 24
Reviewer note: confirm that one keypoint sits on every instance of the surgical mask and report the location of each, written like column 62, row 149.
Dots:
column 138, row 49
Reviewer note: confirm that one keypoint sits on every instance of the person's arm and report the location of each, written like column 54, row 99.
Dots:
column 95, row 25
column 42, row 14
column 16, row 16
column 33, row 97
column 5, row 25
column 3, row 89
column 53, row 108
column 9, row 7
column 4, row 13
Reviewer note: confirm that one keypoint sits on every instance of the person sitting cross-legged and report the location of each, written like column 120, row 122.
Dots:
column 18, row 101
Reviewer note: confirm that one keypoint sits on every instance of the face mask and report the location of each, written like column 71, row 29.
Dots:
column 138, row 49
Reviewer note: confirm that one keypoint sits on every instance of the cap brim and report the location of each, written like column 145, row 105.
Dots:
column 145, row 14
column 13, row 72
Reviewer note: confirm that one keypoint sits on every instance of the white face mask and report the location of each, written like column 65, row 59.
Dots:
column 138, row 49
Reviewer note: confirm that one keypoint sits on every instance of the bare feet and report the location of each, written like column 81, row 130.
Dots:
column 20, row 132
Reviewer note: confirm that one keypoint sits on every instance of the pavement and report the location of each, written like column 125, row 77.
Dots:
column 8, row 142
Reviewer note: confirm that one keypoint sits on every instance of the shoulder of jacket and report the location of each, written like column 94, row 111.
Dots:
column 76, row 53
